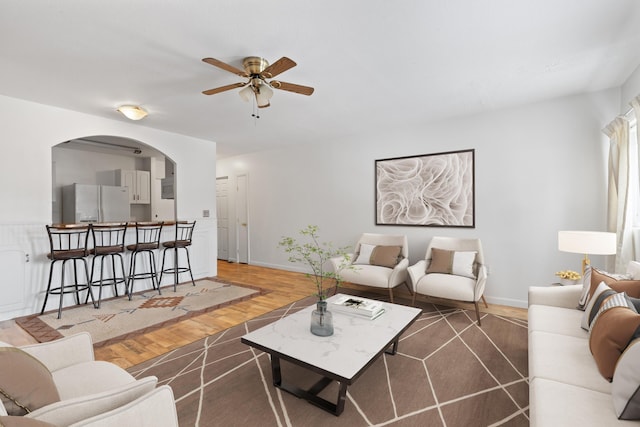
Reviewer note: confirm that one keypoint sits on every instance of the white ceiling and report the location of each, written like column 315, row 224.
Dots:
column 374, row 64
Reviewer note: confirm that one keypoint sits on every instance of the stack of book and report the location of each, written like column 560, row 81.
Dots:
column 357, row 306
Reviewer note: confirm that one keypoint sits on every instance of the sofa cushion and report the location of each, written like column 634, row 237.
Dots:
column 70, row 411
column 611, row 332
column 25, row 383
column 565, row 359
column 385, row 256
column 557, row 320
column 18, row 421
column 363, row 257
column 553, row 403
column 633, row 269
column 104, row 376
column 459, row 263
column 156, row 408
column 370, row 275
column 625, row 388
column 446, row 286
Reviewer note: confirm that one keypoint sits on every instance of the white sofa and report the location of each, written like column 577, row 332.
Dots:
column 565, row 387
column 86, row 387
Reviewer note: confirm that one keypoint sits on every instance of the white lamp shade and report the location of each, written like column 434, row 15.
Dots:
column 132, row 112
column 587, row 242
column 263, row 95
column 246, row 93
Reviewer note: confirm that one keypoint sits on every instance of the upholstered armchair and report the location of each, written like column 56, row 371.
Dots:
column 453, row 269
column 380, row 261
column 60, row 382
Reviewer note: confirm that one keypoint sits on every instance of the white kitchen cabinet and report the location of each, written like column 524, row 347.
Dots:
column 139, row 183
column 12, row 262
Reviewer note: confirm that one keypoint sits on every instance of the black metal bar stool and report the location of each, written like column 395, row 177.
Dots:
column 108, row 244
column 147, row 241
column 68, row 243
column 183, row 235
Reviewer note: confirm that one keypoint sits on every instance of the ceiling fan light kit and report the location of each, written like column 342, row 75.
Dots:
column 257, row 71
column 132, row 112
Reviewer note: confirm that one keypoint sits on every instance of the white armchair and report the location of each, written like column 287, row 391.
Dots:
column 155, row 409
column 380, row 261
column 85, row 387
column 455, row 270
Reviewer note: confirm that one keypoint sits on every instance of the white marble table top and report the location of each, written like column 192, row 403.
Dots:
column 354, row 343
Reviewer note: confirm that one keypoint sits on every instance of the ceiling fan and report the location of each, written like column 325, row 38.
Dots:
column 257, row 71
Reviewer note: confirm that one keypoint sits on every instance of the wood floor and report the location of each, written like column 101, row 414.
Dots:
column 285, row 287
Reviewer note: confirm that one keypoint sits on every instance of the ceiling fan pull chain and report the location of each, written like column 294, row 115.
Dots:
column 255, row 114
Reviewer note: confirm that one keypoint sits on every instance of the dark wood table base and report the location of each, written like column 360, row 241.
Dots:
column 311, row 395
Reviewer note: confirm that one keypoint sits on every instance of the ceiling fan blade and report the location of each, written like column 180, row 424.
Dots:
column 223, row 88
column 280, row 66
column 303, row 90
column 226, row 67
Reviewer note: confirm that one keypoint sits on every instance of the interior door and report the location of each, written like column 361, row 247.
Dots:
column 222, row 215
column 242, row 219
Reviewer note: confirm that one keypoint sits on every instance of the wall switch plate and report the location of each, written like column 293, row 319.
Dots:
column 205, row 213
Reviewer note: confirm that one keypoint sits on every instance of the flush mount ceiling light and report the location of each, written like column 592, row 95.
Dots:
column 257, row 70
column 132, row 112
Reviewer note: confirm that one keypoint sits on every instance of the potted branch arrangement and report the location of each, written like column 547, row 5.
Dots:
column 316, row 255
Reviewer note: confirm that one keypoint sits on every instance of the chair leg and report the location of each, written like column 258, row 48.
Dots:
column 124, row 273
column 61, row 289
column 477, row 312
column 189, row 265
column 408, row 287
column 75, row 278
column 176, row 263
column 154, row 272
column 164, row 253
column 485, row 302
column 132, row 269
column 101, row 279
column 413, row 299
column 113, row 270
column 46, row 295
column 391, row 295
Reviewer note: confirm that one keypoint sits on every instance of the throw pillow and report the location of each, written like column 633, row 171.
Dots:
column 625, row 389
column 364, row 254
column 25, row 383
column 14, row 421
column 613, row 329
column 601, row 293
column 385, row 256
column 617, row 282
column 586, row 285
column 459, row 263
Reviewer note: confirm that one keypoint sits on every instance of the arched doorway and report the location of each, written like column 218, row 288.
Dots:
column 102, row 160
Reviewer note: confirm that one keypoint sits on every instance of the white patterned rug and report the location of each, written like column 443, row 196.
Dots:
column 119, row 318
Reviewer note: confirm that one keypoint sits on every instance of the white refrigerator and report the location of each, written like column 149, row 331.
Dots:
column 95, row 203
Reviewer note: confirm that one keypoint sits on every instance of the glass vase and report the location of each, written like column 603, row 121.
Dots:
column 321, row 320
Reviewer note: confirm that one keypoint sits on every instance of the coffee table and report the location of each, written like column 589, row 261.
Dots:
column 355, row 344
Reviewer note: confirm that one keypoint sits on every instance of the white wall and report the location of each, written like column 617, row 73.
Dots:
column 28, row 132
column 539, row 169
column 630, row 90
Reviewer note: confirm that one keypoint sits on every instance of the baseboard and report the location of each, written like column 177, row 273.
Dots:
column 507, row 301
column 402, row 290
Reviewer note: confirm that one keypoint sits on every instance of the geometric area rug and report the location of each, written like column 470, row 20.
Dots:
column 447, row 371
column 118, row 318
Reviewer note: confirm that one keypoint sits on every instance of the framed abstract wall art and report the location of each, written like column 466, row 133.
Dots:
column 431, row 190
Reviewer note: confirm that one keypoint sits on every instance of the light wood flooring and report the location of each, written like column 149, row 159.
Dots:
column 285, row 287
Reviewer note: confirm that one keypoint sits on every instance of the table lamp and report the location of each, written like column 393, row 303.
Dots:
column 587, row 242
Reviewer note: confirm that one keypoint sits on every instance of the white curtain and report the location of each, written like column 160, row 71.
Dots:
column 618, row 207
